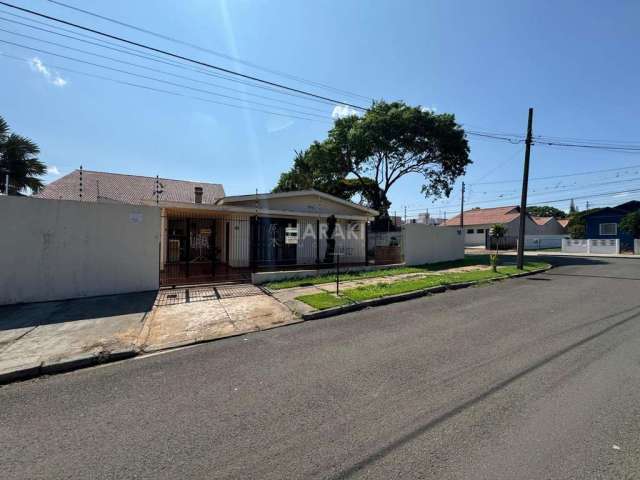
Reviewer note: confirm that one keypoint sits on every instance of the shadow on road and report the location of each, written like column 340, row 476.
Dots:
column 412, row 435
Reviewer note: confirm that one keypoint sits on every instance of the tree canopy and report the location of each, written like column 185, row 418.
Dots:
column 365, row 156
column 18, row 158
column 630, row 223
column 546, row 211
column 577, row 224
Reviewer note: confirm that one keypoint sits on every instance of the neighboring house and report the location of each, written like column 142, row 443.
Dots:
column 478, row 221
column 207, row 234
column 564, row 222
column 605, row 223
column 548, row 226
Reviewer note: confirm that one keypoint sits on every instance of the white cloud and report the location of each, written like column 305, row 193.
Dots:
column 53, row 170
column 341, row 111
column 429, row 109
column 53, row 78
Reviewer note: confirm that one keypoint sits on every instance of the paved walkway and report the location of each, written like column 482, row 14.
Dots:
column 46, row 337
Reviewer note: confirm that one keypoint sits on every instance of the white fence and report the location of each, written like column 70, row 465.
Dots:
column 602, row 246
column 430, row 244
column 636, row 246
column 538, row 242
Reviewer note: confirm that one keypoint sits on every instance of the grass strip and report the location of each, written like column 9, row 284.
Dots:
column 322, row 301
column 329, row 278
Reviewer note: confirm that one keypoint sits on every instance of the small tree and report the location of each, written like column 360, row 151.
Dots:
column 631, row 224
column 498, row 231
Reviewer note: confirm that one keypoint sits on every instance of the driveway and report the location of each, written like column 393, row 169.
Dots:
column 530, row 378
column 52, row 336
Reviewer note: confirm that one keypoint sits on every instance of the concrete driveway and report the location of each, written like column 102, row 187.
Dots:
column 54, row 336
column 196, row 314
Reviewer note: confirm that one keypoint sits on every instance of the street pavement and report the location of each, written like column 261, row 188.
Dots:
column 529, row 378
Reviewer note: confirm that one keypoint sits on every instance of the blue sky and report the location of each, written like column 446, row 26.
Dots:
column 575, row 62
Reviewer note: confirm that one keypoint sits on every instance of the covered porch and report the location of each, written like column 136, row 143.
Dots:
column 203, row 246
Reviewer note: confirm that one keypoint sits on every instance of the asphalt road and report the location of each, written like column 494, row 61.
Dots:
column 532, row 378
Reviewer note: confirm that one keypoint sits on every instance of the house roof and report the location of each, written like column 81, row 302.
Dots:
column 486, row 216
column 621, row 209
column 297, row 193
column 563, row 221
column 542, row 220
column 129, row 189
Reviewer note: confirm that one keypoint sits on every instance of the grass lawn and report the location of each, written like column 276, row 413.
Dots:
column 329, row 278
column 321, row 301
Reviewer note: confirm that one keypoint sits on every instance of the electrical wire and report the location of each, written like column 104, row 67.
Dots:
column 180, row 57
column 157, row 71
column 156, row 58
column 213, row 52
column 159, row 90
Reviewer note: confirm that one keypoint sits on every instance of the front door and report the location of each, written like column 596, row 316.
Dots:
column 271, row 246
column 191, row 252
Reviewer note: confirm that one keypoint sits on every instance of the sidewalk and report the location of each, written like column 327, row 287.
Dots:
column 288, row 296
column 50, row 337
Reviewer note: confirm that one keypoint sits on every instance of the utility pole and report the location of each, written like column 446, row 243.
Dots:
column 462, row 209
column 6, row 184
column 405, row 214
column 525, row 186
column 587, row 205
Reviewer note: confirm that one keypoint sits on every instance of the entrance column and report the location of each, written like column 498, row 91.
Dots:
column 163, row 237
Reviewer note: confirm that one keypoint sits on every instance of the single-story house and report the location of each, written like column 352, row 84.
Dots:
column 478, row 221
column 605, row 223
column 206, row 234
column 548, row 226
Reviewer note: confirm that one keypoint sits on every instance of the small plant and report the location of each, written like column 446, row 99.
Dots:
column 497, row 231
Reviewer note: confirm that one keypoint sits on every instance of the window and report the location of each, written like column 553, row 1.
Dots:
column 608, row 229
column 480, row 230
column 470, row 230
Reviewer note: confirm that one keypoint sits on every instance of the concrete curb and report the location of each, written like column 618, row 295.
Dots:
column 330, row 312
column 67, row 364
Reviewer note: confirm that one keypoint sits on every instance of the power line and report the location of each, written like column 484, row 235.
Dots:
column 181, row 57
column 159, row 90
column 155, row 70
column 152, row 57
column 502, row 198
column 591, row 146
column 207, row 50
column 552, row 177
column 179, row 85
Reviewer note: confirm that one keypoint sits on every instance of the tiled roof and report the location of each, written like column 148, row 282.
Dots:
column 486, row 216
column 542, row 220
column 130, row 189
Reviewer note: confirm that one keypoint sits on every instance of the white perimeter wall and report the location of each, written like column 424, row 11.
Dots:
column 430, row 244
column 57, row 249
column 543, row 241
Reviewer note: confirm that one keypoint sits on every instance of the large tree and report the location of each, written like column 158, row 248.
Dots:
column 18, row 158
column 364, row 156
column 546, row 211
